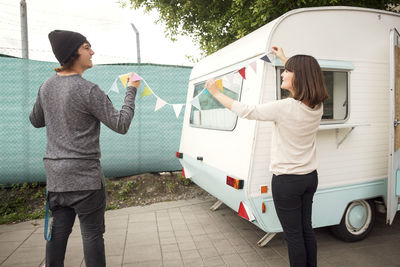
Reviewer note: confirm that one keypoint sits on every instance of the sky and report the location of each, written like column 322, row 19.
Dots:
column 106, row 25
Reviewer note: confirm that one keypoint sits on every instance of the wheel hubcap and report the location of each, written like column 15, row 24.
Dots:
column 358, row 217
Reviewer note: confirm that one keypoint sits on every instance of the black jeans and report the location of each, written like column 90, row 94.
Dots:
column 293, row 198
column 90, row 207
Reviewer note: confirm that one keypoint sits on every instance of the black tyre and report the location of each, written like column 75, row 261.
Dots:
column 357, row 221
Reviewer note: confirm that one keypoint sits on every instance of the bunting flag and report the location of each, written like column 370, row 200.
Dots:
column 114, row 87
column 159, row 104
column 147, row 91
column 219, row 84
column 134, row 77
column 195, row 102
column 177, row 109
column 124, row 79
column 229, row 77
column 265, row 58
column 242, row 72
column 253, row 65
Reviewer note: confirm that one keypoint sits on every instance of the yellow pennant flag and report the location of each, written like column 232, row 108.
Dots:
column 147, row 91
column 124, row 79
column 219, row 84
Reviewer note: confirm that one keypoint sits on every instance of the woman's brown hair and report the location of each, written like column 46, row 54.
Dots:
column 308, row 82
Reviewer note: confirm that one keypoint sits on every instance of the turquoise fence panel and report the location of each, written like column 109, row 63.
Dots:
column 148, row 146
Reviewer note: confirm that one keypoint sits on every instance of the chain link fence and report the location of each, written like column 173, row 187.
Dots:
column 149, row 145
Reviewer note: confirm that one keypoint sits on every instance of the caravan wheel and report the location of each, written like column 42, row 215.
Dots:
column 357, row 221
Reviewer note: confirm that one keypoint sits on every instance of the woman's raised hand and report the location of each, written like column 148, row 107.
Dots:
column 278, row 51
column 212, row 87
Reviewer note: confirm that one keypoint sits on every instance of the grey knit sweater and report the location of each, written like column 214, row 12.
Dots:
column 71, row 108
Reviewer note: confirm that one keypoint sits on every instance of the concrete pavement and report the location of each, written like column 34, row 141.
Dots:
column 187, row 233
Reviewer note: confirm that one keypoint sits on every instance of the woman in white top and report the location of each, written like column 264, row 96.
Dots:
column 293, row 152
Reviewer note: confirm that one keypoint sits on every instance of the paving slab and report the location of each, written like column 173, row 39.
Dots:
column 187, row 233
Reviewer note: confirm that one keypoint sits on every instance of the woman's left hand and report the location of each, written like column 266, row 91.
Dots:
column 212, row 87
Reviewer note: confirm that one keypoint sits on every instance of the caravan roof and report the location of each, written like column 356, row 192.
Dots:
column 259, row 41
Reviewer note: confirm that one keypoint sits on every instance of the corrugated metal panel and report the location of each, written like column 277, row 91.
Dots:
column 149, row 145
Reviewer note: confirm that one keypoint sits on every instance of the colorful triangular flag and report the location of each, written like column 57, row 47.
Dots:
column 253, row 65
column 219, row 84
column 133, row 77
column 124, row 79
column 177, row 109
column 265, row 58
column 159, row 104
column 242, row 72
column 114, row 87
column 196, row 103
column 230, row 76
column 147, row 91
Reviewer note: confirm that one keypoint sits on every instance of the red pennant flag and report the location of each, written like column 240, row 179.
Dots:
column 242, row 72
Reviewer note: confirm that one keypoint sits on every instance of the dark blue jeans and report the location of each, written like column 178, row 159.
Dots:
column 293, row 198
column 90, row 206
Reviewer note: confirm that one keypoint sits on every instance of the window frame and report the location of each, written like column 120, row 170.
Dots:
column 323, row 121
column 209, row 127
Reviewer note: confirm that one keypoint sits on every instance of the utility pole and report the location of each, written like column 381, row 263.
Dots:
column 137, row 42
column 24, row 29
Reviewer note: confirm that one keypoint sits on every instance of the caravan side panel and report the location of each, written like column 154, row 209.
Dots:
column 356, row 168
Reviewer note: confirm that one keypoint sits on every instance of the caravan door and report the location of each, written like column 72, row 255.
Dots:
column 394, row 153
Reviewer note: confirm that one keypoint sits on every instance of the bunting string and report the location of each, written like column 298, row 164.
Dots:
column 160, row 103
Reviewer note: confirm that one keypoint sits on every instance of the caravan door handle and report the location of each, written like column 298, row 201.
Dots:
column 396, row 123
column 199, row 158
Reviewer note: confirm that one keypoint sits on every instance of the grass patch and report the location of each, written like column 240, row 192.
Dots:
column 22, row 202
column 27, row 201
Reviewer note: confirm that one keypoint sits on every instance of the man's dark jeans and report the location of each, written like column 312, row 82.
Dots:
column 90, row 207
column 293, row 198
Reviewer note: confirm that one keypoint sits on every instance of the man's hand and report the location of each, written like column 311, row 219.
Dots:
column 135, row 84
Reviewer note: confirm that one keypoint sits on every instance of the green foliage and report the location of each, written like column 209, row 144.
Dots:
column 214, row 24
column 170, row 186
column 184, row 181
column 22, row 202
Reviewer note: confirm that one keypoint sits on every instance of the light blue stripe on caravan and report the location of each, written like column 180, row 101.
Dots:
column 213, row 181
column 328, row 206
column 398, row 182
column 325, row 64
column 336, row 64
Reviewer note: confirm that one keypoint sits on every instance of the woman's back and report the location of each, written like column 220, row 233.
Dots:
column 294, row 138
column 293, row 144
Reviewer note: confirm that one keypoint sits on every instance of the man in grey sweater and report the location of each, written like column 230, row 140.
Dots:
column 72, row 108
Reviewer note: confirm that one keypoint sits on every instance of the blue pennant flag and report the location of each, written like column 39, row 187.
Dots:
column 195, row 102
column 265, row 58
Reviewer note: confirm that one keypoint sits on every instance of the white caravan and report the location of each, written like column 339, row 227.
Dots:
column 358, row 141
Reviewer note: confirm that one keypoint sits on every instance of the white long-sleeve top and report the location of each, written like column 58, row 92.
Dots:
column 293, row 144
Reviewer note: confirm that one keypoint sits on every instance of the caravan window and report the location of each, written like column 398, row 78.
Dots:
column 336, row 106
column 209, row 113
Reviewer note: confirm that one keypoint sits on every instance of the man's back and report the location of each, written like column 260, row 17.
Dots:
column 72, row 108
column 72, row 131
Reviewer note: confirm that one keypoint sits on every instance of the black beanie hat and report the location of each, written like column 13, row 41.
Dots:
column 65, row 43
